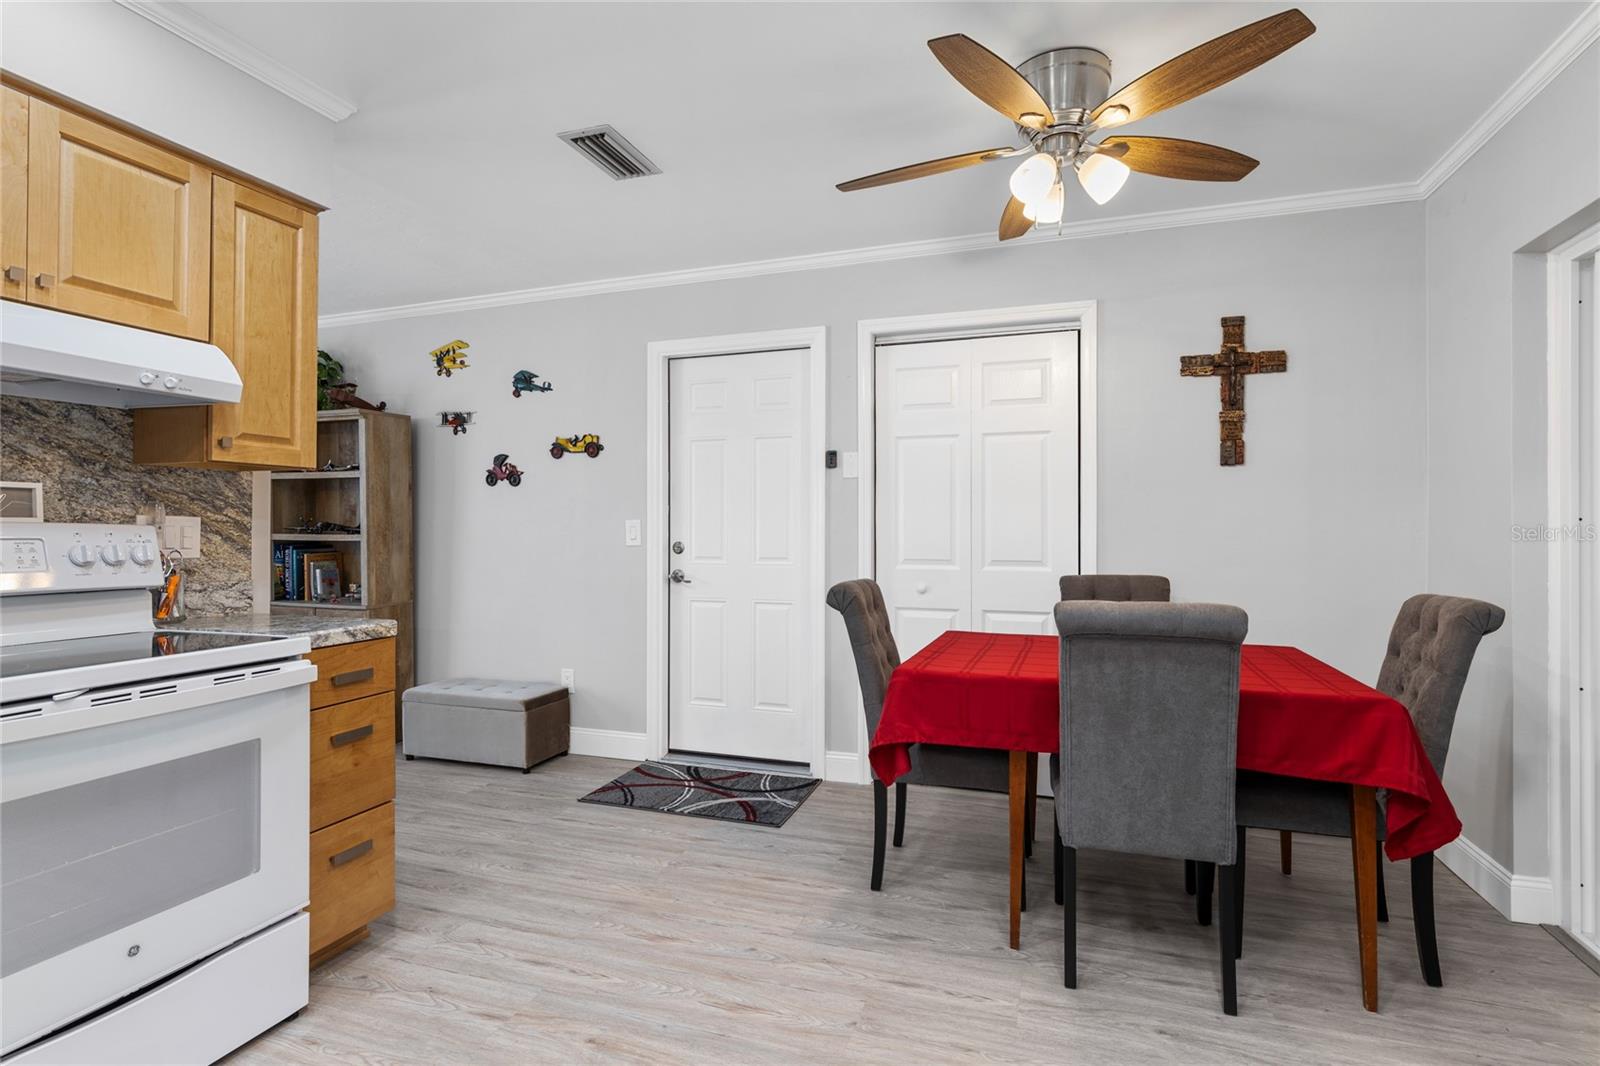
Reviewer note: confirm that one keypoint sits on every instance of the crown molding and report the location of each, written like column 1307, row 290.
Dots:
column 881, row 253
column 182, row 21
column 1568, row 46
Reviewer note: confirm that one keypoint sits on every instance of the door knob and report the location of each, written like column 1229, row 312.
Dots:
column 44, row 281
column 922, row 590
column 677, row 578
column 15, row 274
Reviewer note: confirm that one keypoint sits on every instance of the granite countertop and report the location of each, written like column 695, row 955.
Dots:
column 324, row 631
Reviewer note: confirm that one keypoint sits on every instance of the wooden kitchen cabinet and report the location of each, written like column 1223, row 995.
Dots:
column 118, row 228
column 264, row 316
column 13, row 193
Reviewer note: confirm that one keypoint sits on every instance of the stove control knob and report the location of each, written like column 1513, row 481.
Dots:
column 142, row 554
column 113, row 555
column 147, row 378
column 80, row 555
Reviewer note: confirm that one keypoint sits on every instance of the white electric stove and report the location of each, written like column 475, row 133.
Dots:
column 154, row 799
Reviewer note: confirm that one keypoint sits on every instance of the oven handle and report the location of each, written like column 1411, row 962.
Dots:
column 179, row 694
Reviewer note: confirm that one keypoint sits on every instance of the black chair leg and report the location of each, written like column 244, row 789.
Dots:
column 1056, row 848
column 880, row 825
column 1422, row 918
column 1069, row 870
column 1205, row 877
column 1383, row 897
column 899, row 813
column 1238, row 897
column 1228, row 936
column 1188, row 876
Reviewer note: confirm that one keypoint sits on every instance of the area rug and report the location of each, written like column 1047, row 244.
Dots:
column 707, row 792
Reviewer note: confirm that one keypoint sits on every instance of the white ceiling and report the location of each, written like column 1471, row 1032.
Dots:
column 450, row 180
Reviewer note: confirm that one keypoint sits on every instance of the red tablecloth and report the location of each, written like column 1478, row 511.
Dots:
column 1298, row 717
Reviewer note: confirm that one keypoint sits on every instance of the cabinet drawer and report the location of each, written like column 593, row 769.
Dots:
column 352, row 671
column 352, row 758
column 352, row 874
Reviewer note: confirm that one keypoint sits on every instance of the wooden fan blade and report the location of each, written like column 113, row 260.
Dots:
column 1170, row 157
column 992, row 80
column 1012, row 222
column 922, row 170
column 1214, row 63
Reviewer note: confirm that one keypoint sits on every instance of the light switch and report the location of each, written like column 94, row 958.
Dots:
column 181, row 533
column 852, row 465
column 630, row 533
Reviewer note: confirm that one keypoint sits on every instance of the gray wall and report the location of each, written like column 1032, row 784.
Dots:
column 1486, row 440
column 1319, row 537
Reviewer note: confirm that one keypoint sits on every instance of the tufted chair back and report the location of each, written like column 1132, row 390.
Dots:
column 866, row 619
column 1425, row 668
column 1119, row 587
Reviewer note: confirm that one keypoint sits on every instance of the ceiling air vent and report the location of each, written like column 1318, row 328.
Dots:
column 611, row 152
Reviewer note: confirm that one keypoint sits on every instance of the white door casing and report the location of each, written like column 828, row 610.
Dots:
column 733, row 657
column 977, row 471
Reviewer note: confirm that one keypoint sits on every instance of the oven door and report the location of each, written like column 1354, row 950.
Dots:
column 143, row 829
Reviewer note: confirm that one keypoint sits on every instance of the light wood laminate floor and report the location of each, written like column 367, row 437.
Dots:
column 532, row 928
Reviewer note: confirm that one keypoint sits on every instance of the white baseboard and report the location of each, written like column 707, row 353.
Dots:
column 1518, row 897
column 610, row 743
column 843, row 766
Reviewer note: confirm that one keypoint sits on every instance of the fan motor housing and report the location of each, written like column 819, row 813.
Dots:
column 1073, row 81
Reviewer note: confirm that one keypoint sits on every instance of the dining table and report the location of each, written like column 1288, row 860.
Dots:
column 1298, row 717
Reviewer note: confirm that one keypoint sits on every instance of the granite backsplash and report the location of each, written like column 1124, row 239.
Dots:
column 84, row 457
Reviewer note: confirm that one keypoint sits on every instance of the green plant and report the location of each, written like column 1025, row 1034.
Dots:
column 329, row 372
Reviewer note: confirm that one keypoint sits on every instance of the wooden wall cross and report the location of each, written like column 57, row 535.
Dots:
column 1230, row 366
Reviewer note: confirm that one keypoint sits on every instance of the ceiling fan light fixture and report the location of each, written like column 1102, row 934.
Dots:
column 1031, row 182
column 1102, row 176
column 1047, row 211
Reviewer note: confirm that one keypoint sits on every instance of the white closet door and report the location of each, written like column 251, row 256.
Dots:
column 977, row 467
column 740, row 532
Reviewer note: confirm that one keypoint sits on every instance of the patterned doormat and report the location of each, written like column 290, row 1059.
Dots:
column 707, row 792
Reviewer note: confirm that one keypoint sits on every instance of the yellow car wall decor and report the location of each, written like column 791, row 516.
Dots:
column 589, row 444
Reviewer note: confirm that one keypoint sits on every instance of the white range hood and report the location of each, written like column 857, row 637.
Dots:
column 52, row 355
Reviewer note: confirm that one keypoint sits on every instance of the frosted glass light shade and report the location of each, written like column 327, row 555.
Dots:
column 1049, row 210
column 1031, row 182
column 1102, row 176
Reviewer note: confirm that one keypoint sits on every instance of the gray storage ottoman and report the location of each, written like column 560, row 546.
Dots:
column 499, row 723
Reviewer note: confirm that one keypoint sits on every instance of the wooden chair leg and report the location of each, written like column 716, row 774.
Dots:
column 1383, row 896
column 1056, row 847
column 1188, row 876
column 880, row 825
column 1205, row 878
column 899, row 813
column 1238, row 897
column 1228, row 936
column 1069, row 869
column 1286, row 851
column 1422, row 918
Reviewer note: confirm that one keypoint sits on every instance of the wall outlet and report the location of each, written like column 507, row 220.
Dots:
column 566, row 679
column 852, row 465
column 630, row 533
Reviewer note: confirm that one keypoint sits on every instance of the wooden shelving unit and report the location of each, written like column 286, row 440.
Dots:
column 375, row 498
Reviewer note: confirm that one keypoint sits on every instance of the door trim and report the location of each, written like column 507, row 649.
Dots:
column 1567, row 774
column 658, row 356
column 1080, row 315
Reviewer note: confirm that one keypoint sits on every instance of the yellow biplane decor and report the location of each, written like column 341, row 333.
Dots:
column 448, row 357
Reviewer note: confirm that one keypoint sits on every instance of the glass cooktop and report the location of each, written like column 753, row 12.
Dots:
column 22, row 660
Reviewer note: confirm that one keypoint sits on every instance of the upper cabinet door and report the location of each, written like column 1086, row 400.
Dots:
column 264, row 315
column 117, row 228
column 13, row 193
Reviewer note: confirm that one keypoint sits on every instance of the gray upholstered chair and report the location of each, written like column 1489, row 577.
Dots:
column 866, row 619
column 1118, row 588
column 1149, row 729
column 1425, row 668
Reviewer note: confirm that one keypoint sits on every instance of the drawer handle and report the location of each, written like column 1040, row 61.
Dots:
column 352, row 677
column 350, row 853
column 350, row 736
column 44, row 281
column 15, row 274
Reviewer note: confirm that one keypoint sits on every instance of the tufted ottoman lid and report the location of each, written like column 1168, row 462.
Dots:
column 483, row 692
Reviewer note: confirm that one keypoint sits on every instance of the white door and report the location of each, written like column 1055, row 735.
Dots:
column 1583, row 912
column 977, row 468
column 739, row 532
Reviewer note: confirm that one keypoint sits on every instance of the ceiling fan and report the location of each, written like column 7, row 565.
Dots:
column 1061, row 98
